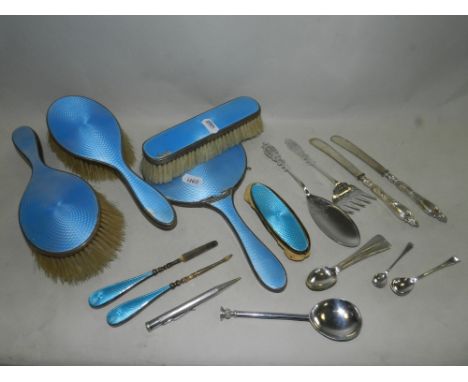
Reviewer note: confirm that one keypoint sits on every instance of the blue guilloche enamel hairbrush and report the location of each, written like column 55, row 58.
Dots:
column 88, row 130
column 72, row 230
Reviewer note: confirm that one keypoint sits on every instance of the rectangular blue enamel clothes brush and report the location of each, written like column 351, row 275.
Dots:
column 185, row 145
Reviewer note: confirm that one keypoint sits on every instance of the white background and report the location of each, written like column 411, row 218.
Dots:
column 397, row 86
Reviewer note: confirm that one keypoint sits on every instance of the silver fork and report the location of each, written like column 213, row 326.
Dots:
column 346, row 196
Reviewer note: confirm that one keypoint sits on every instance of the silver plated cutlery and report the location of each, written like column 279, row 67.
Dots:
column 334, row 318
column 380, row 279
column 401, row 286
column 325, row 277
column 346, row 196
column 331, row 219
column 398, row 209
column 428, row 207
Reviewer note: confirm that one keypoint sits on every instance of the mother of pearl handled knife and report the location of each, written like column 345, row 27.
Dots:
column 429, row 208
column 398, row 209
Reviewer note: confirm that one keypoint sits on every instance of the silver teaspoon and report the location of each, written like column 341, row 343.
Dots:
column 336, row 319
column 325, row 277
column 401, row 286
column 380, row 279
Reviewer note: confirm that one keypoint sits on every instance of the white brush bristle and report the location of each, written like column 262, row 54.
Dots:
column 168, row 171
column 89, row 169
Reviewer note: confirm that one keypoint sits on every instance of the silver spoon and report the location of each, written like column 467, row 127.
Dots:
column 325, row 277
column 380, row 279
column 332, row 220
column 334, row 318
column 401, row 286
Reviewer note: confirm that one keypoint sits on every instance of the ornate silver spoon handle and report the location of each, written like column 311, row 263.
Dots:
column 428, row 207
column 398, row 209
column 297, row 149
column 374, row 246
column 451, row 261
column 272, row 153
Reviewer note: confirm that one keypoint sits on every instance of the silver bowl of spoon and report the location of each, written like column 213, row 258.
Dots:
column 380, row 279
column 334, row 318
column 325, row 277
column 401, row 286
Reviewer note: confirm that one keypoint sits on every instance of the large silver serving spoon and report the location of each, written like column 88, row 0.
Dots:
column 401, row 286
column 380, row 279
column 334, row 318
column 332, row 220
column 325, row 277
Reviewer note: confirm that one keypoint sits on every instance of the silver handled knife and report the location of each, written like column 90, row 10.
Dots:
column 428, row 207
column 398, row 209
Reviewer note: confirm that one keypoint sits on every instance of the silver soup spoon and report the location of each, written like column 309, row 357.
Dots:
column 334, row 318
column 325, row 277
column 380, row 279
column 401, row 286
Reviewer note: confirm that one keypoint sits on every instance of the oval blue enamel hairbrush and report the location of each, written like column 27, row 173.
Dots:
column 280, row 220
column 212, row 184
column 73, row 231
column 88, row 130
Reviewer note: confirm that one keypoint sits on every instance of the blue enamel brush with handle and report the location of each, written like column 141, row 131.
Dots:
column 88, row 130
column 212, row 184
column 58, row 212
column 73, row 231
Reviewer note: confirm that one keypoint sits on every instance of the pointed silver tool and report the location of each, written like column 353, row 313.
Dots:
column 104, row 296
column 428, row 207
column 398, row 209
column 127, row 310
column 188, row 306
column 346, row 196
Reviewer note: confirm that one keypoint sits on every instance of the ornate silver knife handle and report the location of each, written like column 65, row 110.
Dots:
column 398, row 209
column 428, row 207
